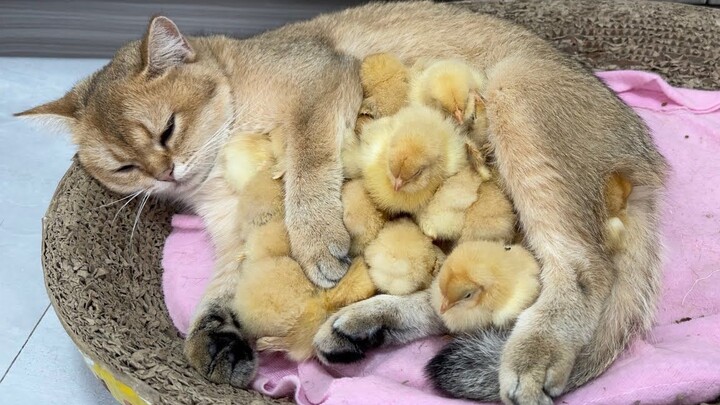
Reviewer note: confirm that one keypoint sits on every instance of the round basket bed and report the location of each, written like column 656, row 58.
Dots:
column 107, row 290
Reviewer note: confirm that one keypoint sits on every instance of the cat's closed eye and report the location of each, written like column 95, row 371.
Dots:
column 125, row 168
column 167, row 133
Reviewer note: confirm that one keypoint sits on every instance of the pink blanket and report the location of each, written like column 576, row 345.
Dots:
column 679, row 362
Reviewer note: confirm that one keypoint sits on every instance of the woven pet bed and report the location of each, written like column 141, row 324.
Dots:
column 107, row 290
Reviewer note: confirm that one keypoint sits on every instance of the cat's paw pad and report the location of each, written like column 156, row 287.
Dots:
column 216, row 348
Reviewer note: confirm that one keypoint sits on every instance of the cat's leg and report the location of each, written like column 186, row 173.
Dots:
column 557, row 193
column 377, row 321
column 318, row 124
column 216, row 345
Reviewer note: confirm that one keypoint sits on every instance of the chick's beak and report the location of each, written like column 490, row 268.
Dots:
column 397, row 184
column 445, row 306
column 458, row 115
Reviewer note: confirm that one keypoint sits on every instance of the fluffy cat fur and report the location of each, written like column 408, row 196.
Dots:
column 555, row 130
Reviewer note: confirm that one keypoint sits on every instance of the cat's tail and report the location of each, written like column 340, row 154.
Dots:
column 468, row 367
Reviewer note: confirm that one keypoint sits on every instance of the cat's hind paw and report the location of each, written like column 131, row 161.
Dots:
column 217, row 349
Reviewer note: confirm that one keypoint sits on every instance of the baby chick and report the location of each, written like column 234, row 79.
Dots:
column 453, row 87
column 298, row 342
column 271, row 294
column 402, row 259
column 249, row 165
column 407, row 156
column 274, row 299
column 267, row 240
column 490, row 217
column 362, row 219
column 385, row 83
column 385, row 86
column 617, row 191
column 244, row 156
column 485, row 283
column 444, row 216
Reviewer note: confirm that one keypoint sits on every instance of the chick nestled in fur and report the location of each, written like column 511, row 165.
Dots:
column 297, row 341
column 402, row 259
column 485, row 283
column 407, row 156
column 274, row 300
column 414, row 161
column 453, row 87
column 385, row 82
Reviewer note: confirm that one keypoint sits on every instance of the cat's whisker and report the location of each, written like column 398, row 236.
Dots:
column 221, row 130
column 208, row 146
column 220, row 135
column 122, row 199
column 144, row 200
column 132, row 197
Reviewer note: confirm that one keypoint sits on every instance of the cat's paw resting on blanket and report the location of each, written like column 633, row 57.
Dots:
column 381, row 320
column 216, row 348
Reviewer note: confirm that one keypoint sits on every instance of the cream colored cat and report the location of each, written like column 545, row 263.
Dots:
column 154, row 118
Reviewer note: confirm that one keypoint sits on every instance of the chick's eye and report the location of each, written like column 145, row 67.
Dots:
column 126, row 168
column 167, row 133
column 468, row 295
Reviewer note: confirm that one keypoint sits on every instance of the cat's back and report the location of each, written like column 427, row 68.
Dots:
column 413, row 30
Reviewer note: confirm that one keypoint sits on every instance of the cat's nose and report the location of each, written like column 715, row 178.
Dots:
column 167, row 175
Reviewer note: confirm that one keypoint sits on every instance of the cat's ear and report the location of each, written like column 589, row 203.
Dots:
column 56, row 115
column 164, row 47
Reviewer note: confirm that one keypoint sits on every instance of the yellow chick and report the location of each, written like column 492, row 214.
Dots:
column 485, row 283
column 249, row 165
column 617, row 191
column 407, row 156
column 244, row 156
column 271, row 294
column 385, row 82
column 402, row 259
column 453, row 87
column 267, row 240
column 274, row 300
column 298, row 342
column 444, row 216
column 490, row 217
column 362, row 218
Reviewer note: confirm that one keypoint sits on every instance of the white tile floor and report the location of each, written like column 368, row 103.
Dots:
column 38, row 362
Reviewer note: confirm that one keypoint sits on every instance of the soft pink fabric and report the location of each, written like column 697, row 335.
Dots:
column 680, row 359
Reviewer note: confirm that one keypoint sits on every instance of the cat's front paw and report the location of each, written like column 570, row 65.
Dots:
column 217, row 349
column 535, row 368
column 323, row 252
column 346, row 336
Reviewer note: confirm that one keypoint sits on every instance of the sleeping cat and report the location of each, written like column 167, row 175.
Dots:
column 154, row 118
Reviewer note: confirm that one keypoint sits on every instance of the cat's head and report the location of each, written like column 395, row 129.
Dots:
column 152, row 119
